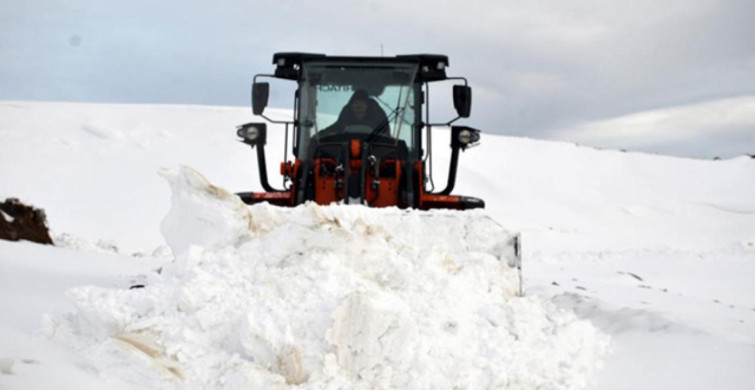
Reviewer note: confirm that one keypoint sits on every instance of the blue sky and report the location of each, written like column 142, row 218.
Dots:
column 538, row 69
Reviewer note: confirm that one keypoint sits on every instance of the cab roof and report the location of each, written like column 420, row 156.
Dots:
column 432, row 67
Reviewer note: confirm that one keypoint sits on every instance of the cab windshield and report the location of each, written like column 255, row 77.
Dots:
column 375, row 100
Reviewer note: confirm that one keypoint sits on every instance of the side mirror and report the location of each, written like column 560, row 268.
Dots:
column 252, row 133
column 260, row 94
column 464, row 137
column 463, row 100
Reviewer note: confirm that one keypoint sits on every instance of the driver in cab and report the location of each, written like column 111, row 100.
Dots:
column 360, row 115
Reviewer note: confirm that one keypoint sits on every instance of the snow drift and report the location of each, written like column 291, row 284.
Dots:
column 330, row 297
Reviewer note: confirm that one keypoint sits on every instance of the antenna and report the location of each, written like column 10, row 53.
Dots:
column 381, row 50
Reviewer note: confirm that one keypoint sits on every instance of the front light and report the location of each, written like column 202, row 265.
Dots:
column 251, row 133
column 465, row 137
column 248, row 133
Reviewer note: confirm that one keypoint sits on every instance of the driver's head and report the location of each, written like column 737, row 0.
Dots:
column 359, row 103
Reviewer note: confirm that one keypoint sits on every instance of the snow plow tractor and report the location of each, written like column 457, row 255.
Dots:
column 358, row 126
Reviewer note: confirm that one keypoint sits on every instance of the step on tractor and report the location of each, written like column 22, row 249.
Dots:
column 361, row 132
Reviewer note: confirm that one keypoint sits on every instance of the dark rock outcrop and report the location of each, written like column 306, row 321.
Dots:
column 22, row 222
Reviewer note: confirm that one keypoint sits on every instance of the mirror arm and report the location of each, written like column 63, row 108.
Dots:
column 453, row 120
column 254, row 81
column 276, row 121
column 464, row 79
column 449, row 123
column 445, row 124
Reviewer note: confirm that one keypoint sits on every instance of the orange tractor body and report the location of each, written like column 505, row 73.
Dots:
column 360, row 134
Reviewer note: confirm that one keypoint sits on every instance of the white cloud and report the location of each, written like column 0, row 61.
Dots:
column 708, row 129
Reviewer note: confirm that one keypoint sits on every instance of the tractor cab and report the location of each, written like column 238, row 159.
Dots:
column 358, row 131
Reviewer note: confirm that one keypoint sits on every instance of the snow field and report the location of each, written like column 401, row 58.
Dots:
column 328, row 297
column 658, row 252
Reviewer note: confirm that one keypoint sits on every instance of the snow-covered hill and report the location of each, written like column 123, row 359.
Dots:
column 657, row 252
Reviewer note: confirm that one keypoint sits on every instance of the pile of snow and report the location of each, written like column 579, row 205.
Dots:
column 328, row 297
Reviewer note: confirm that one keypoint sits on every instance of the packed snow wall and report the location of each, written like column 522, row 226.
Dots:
column 336, row 297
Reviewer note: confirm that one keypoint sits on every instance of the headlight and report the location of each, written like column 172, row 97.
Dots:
column 250, row 133
column 464, row 137
column 467, row 137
